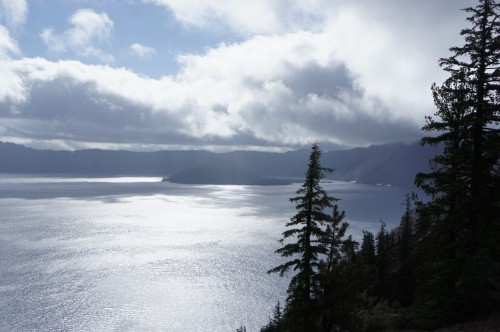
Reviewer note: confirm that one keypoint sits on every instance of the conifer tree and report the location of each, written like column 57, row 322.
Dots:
column 367, row 250
column 368, row 256
column 382, row 261
column 276, row 322
column 277, row 315
column 333, row 239
column 406, row 262
column 305, row 230
column 461, row 271
column 340, row 277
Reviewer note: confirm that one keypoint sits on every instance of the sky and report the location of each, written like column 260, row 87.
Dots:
column 221, row 75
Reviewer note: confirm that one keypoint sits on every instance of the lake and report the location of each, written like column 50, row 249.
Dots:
column 138, row 254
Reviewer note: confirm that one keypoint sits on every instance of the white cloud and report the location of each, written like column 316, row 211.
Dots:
column 89, row 29
column 12, row 88
column 266, row 17
column 142, row 50
column 13, row 12
column 7, row 44
column 390, row 49
column 247, row 17
column 258, row 92
column 361, row 76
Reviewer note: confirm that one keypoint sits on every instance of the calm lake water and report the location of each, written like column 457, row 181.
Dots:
column 136, row 254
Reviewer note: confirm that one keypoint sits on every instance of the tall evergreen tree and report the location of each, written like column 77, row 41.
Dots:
column 462, row 219
column 405, row 257
column 382, row 262
column 368, row 248
column 340, row 277
column 305, row 230
column 368, row 256
column 276, row 322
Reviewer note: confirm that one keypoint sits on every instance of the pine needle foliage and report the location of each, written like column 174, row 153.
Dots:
column 302, row 240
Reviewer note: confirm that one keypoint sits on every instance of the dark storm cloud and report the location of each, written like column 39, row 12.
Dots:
column 65, row 109
column 314, row 79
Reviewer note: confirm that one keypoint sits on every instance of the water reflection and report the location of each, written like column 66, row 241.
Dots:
column 128, row 256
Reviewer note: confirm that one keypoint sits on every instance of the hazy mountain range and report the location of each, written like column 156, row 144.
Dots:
column 394, row 164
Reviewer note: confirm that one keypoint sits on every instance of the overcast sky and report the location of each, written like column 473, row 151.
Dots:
column 220, row 74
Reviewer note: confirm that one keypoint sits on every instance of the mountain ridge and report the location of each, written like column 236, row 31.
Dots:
column 391, row 164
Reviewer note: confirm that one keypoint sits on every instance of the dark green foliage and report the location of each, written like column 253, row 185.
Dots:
column 406, row 262
column 324, row 293
column 382, row 262
column 367, row 254
column 368, row 248
column 457, row 230
column 276, row 323
column 442, row 264
column 337, row 248
column 340, row 277
column 306, row 228
column 277, row 314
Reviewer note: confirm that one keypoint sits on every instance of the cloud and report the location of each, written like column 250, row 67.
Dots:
column 7, row 44
column 75, row 102
column 13, row 13
column 390, row 51
column 141, row 50
column 360, row 77
column 267, row 91
column 263, row 17
column 244, row 17
column 89, row 29
column 12, row 88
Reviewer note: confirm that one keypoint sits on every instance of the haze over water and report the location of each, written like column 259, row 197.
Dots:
column 136, row 254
